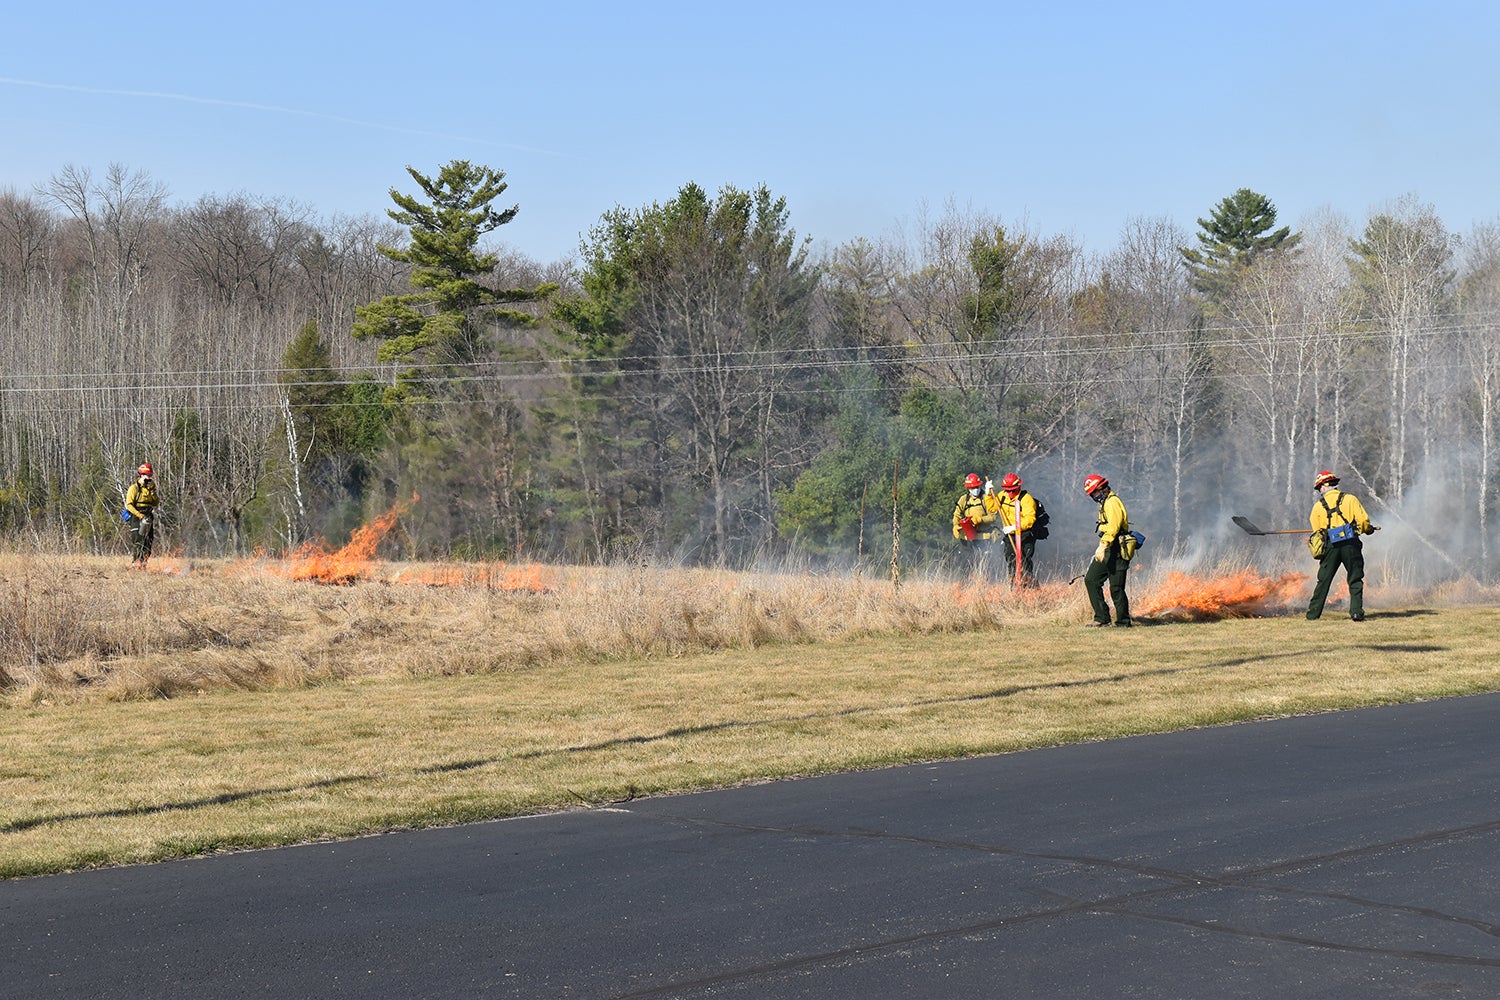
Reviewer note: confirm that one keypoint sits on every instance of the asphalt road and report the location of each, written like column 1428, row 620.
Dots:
column 1348, row 855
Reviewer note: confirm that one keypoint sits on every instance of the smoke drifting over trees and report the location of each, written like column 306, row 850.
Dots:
column 701, row 385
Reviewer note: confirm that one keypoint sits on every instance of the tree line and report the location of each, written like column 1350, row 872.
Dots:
column 701, row 384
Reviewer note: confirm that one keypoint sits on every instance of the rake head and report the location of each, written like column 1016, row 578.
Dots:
column 1249, row 526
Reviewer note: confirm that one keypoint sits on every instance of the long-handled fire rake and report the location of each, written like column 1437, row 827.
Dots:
column 1244, row 522
column 1015, row 539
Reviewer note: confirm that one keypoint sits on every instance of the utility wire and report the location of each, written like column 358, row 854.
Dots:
column 728, row 364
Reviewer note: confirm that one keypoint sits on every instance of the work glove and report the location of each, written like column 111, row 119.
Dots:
column 1009, row 529
column 1101, row 553
column 989, row 486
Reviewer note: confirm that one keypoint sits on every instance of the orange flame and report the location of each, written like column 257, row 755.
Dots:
column 531, row 577
column 317, row 563
column 1245, row 594
column 172, row 565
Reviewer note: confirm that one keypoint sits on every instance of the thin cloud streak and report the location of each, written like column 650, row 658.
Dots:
column 253, row 106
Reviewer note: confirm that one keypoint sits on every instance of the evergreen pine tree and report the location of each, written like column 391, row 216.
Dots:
column 1237, row 233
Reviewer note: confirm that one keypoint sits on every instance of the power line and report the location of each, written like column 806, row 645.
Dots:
column 1116, row 377
column 730, row 363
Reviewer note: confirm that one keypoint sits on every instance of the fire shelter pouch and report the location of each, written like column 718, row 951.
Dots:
column 1341, row 534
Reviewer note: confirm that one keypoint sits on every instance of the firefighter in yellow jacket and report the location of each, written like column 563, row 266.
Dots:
column 974, row 521
column 1334, row 510
column 141, row 500
column 1109, row 564
column 1016, row 511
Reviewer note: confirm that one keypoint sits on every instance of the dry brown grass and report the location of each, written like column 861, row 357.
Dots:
column 82, row 628
column 330, row 711
column 78, row 628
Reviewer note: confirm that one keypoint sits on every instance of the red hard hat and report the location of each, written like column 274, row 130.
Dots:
column 972, row 481
column 1010, row 482
column 1325, row 477
column 1092, row 483
column 144, row 470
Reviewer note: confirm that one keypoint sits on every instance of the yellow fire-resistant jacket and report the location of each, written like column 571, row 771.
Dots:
column 1346, row 507
column 141, row 498
column 975, row 510
column 1113, row 521
column 1001, row 505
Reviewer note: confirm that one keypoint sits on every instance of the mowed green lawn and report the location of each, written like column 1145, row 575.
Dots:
column 98, row 783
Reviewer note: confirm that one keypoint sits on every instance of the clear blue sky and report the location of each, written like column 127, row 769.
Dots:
column 1070, row 119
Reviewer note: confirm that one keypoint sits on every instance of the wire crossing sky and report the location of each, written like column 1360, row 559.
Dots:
column 1070, row 120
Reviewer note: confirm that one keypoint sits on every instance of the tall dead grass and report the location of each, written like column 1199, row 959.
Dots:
column 586, row 686
column 80, row 627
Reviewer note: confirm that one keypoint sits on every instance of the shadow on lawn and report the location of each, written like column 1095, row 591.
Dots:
column 1009, row 691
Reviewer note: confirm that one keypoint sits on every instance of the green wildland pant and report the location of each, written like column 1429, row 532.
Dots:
column 142, row 537
column 1112, row 571
column 1351, row 556
column 1028, row 557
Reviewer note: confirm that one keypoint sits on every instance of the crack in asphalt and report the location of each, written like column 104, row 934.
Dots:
column 1118, row 905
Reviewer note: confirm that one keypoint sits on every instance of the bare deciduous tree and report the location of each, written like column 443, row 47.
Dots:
column 1403, row 268
column 1149, row 291
column 116, row 218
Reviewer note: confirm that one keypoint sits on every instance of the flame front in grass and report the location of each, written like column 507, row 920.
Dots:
column 315, row 562
column 1246, row 594
column 529, row 577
